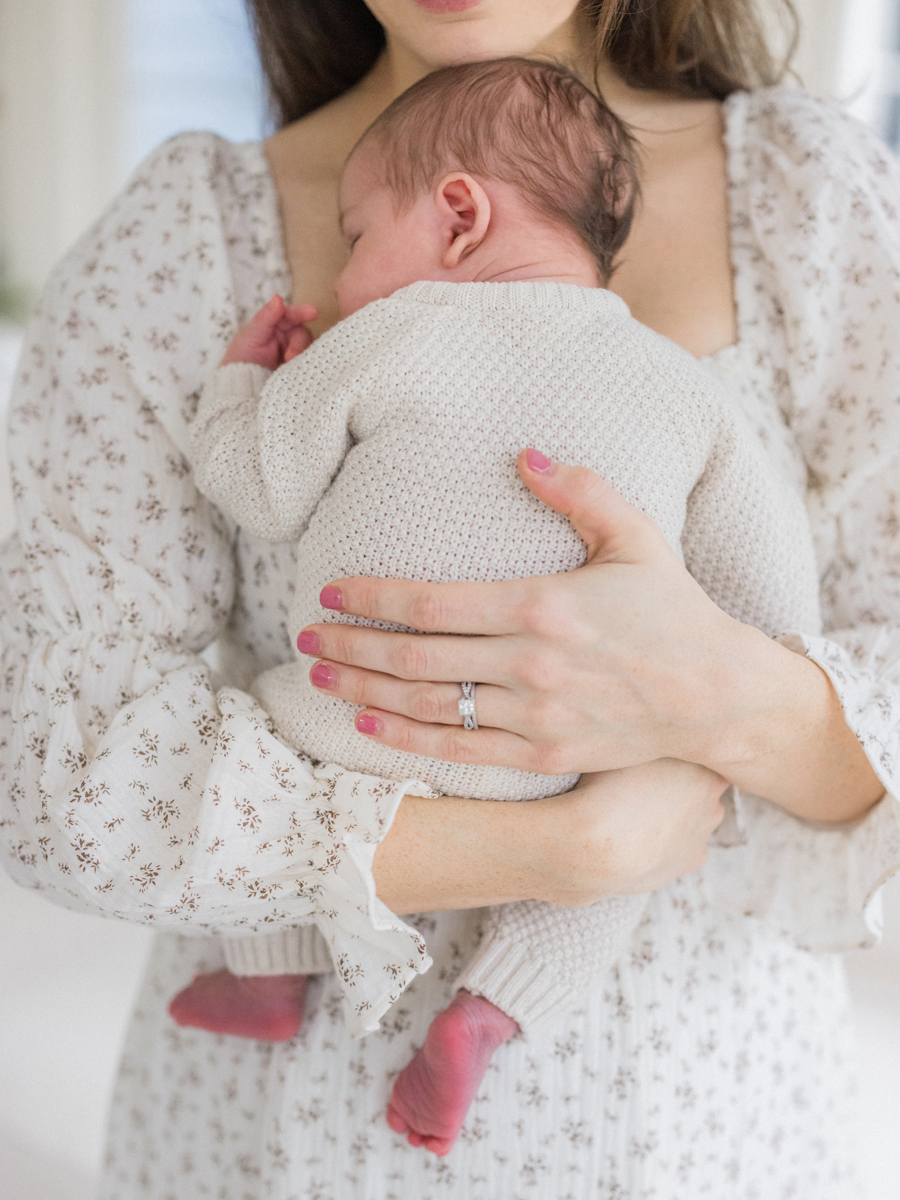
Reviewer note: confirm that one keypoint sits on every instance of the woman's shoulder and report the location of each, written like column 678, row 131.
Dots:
column 781, row 131
column 200, row 158
column 183, row 254
column 198, row 216
column 193, row 187
column 816, row 217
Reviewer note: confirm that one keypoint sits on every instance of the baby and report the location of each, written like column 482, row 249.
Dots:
column 388, row 448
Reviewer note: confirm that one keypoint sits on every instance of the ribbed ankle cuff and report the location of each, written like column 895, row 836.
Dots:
column 530, row 992
column 301, row 951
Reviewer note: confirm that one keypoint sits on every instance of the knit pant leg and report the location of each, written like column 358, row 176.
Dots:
column 301, row 951
column 537, row 959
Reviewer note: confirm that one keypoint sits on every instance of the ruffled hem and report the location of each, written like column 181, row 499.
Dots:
column 817, row 886
column 336, row 821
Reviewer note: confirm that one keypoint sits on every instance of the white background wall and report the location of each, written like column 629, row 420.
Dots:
column 89, row 87
column 59, row 140
column 86, row 88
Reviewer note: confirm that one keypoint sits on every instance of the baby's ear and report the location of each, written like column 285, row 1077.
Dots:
column 465, row 213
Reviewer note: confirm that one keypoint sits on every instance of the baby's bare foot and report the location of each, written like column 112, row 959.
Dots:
column 432, row 1095
column 266, row 1007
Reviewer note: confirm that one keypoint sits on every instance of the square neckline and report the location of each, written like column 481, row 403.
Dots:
column 734, row 111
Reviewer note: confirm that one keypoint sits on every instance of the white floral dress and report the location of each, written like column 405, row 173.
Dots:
column 716, row 1061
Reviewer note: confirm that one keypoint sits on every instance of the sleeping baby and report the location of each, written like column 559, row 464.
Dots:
column 484, row 210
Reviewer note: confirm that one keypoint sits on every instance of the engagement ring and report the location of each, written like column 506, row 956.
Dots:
column 467, row 706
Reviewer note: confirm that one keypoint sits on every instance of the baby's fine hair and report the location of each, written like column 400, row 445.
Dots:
column 533, row 125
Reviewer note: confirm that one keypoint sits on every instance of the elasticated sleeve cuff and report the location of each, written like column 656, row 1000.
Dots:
column 819, row 885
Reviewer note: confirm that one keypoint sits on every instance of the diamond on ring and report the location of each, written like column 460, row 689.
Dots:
column 467, row 706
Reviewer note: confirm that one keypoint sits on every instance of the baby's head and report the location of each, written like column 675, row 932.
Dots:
column 485, row 171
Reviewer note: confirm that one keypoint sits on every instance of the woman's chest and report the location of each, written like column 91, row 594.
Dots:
column 675, row 271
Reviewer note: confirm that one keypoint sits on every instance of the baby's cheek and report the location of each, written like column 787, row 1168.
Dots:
column 347, row 288
column 359, row 284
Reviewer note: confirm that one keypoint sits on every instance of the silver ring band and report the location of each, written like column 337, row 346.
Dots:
column 467, row 706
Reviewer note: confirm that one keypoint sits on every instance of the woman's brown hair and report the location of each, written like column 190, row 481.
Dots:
column 313, row 50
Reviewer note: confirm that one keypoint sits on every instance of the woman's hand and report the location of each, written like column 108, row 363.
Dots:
column 607, row 666
column 631, row 831
column 625, row 831
column 623, row 661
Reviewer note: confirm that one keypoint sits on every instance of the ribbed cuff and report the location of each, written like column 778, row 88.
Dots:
column 234, row 382
column 530, row 992
column 537, row 960
column 300, row 951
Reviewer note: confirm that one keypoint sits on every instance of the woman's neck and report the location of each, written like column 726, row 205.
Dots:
column 675, row 271
column 343, row 121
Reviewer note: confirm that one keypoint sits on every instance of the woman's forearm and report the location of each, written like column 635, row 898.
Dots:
column 785, row 736
column 630, row 830
column 450, row 853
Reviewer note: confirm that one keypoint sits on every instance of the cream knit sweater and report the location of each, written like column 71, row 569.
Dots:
column 388, row 448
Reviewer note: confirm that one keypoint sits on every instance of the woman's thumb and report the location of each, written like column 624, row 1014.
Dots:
column 612, row 529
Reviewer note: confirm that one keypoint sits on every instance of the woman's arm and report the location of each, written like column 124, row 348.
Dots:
column 626, row 831
column 131, row 782
column 621, row 662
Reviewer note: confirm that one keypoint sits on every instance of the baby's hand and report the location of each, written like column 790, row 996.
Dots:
column 274, row 336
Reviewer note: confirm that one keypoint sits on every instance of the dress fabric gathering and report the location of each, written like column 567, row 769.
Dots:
column 716, row 1059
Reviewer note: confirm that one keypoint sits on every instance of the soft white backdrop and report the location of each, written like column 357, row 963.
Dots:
column 86, row 88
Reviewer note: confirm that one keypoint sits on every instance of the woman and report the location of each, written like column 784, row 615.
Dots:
column 715, row 1061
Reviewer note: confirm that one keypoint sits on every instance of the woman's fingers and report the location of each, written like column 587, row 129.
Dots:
column 431, row 703
column 612, row 529
column 481, row 747
column 407, row 656
column 475, row 608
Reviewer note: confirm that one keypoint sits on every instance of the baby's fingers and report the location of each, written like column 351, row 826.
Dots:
column 298, row 339
column 268, row 317
column 293, row 333
column 297, row 314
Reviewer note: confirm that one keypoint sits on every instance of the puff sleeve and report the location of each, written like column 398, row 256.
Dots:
column 131, row 782
column 816, row 210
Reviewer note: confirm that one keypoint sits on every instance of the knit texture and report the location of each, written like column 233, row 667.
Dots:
column 388, row 448
column 300, row 951
column 535, row 960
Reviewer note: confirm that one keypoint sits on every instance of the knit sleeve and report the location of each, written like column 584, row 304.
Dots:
column 746, row 537
column 131, row 782
column 265, row 447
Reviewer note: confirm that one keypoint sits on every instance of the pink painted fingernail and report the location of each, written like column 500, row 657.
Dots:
column 539, row 462
column 331, row 597
column 322, row 676
column 308, row 643
column 366, row 723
